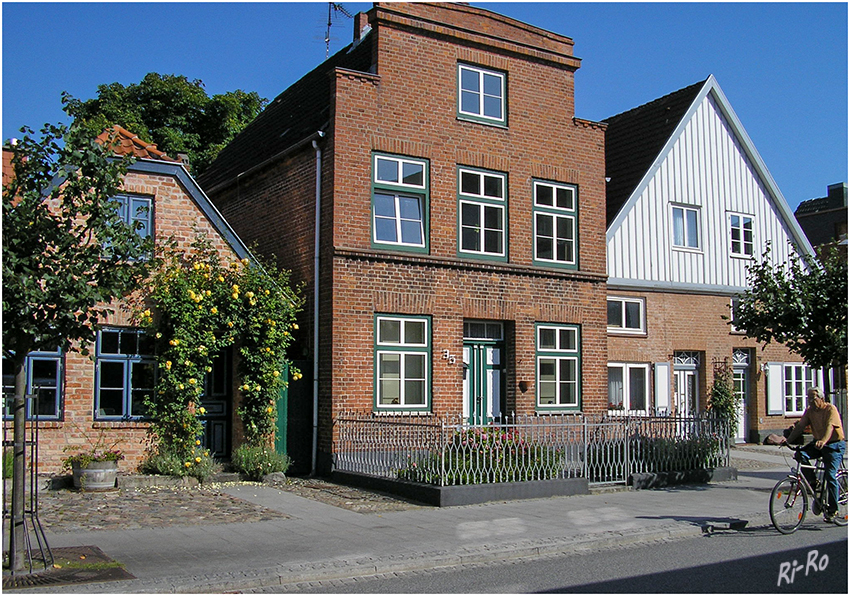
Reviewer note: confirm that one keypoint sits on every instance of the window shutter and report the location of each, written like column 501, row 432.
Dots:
column 662, row 387
column 775, row 393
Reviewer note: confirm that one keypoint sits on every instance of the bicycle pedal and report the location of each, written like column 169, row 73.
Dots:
column 816, row 508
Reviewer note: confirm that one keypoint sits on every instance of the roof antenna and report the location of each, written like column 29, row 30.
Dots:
column 333, row 8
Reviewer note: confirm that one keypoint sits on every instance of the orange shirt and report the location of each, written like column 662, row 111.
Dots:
column 825, row 423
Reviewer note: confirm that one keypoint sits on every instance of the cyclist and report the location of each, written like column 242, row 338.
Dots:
column 828, row 443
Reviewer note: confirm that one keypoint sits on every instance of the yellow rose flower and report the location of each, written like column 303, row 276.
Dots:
column 220, row 278
column 198, row 459
column 147, row 313
column 188, row 464
column 249, row 294
column 168, row 364
column 197, row 441
column 245, row 261
column 192, row 382
column 214, row 310
column 269, row 410
column 202, row 410
column 235, row 288
column 191, row 294
column 230, row 324
column 235, row 295
column 180, row 386
column 252, row 302
column 197, row 266
column 276, row 374
column 295, row 325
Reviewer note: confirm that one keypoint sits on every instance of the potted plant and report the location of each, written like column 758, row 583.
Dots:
column 94, row 468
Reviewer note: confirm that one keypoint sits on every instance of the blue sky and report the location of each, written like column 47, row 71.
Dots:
column 783, row 66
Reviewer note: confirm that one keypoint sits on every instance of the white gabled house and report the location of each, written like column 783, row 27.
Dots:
column 690, row 204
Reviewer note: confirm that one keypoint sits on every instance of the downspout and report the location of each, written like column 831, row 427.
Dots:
column 316, row 235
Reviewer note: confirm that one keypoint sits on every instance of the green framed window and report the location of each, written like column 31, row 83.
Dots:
column 482, row 94
column 482, row 213
column 402, row 363
column 555, row 224
column 558, row 355
column 400, row 202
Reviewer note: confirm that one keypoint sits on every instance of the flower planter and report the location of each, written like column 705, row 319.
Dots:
column 95, row 476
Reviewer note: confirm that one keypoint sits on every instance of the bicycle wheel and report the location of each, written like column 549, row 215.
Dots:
column 788, row 505
column 841, row 514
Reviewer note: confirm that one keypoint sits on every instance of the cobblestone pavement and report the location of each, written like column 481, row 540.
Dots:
column 157, row 507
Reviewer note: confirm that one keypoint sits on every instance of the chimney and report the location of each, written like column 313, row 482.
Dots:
column 361, row 26
column 837, row 194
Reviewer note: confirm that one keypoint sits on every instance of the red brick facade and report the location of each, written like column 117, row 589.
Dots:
column 408, row 107
column 178, row 215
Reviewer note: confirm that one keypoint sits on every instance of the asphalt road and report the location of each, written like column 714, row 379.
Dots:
column 757, row 560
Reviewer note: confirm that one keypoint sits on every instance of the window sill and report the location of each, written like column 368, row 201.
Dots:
column 626, row 333
column 490, row 123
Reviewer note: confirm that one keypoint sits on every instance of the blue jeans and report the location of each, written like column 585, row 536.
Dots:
column 832, row 454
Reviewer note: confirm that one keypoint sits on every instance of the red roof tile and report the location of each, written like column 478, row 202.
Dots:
column 125, row 142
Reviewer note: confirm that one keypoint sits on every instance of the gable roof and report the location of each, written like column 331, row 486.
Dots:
column 636, row 137
column 294, row 115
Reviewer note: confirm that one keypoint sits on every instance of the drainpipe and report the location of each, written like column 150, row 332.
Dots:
column 317, row 235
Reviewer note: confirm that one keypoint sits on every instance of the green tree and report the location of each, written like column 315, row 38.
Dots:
column 802, row 304
column 66, row 255
column 171, row 111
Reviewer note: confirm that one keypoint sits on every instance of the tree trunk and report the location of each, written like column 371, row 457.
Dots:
column 18, row 527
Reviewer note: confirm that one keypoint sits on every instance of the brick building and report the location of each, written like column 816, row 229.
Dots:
column 690, row 205
column 82, row 398
column 460, row 266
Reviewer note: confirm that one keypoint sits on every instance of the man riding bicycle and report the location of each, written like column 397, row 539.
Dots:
column 828, row 443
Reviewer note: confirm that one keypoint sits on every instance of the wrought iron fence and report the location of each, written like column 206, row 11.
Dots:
column 450, row 451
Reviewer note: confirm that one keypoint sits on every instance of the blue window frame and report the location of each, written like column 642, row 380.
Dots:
column 136, row 212
column 126, row 374
column 44, row 379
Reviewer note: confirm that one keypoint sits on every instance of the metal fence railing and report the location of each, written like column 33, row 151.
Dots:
column 446, row 451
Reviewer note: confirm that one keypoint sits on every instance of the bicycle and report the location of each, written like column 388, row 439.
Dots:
column 789, row 499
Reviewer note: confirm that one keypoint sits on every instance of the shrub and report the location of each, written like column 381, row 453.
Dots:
column 257, row 461
column 170, row 463
column 483, row 456
column 8, row 462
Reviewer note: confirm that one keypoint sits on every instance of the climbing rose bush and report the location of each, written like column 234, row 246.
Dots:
column 199, row 305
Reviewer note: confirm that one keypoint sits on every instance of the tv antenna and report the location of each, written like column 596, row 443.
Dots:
column 333, row 9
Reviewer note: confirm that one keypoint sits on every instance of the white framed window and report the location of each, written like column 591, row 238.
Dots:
column 402, row 363
column 628, row 387
column 558, row 367
column 481, row 204
column 399, row 213
column 733, row 304
column 797, row 378
column 126, row 373
column 555, row 223
column 482, row 94
column 741, row 242
column 626, row 315
column 686, row 225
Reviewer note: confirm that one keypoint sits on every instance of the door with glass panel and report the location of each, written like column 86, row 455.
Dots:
column 685, row 383
column 483, row 372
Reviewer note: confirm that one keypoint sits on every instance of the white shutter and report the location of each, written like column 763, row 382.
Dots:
column 662, row 388
column 775, row 392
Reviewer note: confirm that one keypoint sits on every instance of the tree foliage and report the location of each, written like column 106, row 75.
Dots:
column 66, row 251
column 171, row 111
column 802, row 304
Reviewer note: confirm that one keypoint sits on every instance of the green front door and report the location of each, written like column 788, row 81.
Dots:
column 483, row 372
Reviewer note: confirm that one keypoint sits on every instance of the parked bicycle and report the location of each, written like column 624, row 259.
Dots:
column 789, row 500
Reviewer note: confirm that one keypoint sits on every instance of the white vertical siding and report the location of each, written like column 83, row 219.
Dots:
column 706, row 167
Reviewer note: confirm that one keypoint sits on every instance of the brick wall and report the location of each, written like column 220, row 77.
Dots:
column 175, row 215
column 693, row 323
